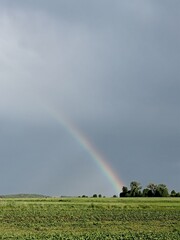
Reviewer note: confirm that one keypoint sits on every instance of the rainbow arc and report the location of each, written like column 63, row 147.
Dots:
column 84, row 142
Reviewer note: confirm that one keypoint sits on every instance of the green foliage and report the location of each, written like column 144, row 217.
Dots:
column 135, row 189
column 124, row 192
column 114, row 196
column 152, row 190
column 173, row 193
column 161, row 191
column 84, row 196
column 178, row 194
column 145, row 192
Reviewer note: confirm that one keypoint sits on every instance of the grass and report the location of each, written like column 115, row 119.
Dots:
column 90, row 218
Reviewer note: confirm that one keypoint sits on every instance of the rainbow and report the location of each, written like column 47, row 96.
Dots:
column 84, row 142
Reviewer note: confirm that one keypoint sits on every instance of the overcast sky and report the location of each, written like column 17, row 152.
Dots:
column 113, row 67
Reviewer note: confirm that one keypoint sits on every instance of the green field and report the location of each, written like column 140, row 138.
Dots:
column 90, row 218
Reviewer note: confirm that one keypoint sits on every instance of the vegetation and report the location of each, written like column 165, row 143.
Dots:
column 152, row 190
column 24, row 196
column 90, row 218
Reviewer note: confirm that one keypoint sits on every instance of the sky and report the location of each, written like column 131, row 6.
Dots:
column 112, row 68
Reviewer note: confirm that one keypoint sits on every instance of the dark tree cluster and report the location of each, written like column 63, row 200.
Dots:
column 152, row 190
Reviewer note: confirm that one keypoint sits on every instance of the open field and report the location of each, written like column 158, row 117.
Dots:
column 90, row 218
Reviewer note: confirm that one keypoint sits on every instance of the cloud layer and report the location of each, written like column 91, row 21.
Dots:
column 113, row 68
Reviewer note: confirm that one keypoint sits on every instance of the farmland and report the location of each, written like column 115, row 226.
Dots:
column 90, row 218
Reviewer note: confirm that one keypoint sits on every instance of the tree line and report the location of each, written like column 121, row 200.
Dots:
column 152, row 190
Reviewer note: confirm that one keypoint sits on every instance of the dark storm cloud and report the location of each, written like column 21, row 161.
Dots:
column 113, row 67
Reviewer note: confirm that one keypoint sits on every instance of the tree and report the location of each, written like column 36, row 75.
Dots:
column 173, row 193
column 178, row 194
column 159, row 190
column 135, row 190
column 84, row 196
column 145, row 192
column 124, row 192
column 162, row 191
column 152, row 189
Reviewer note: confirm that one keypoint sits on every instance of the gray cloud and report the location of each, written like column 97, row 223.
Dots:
column 113, row 68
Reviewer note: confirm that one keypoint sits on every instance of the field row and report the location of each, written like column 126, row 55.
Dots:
column 90, row 218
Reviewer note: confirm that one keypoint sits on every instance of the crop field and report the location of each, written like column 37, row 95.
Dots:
column 90, row 218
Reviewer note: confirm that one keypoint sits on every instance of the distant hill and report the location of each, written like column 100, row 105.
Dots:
column 23, row 196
